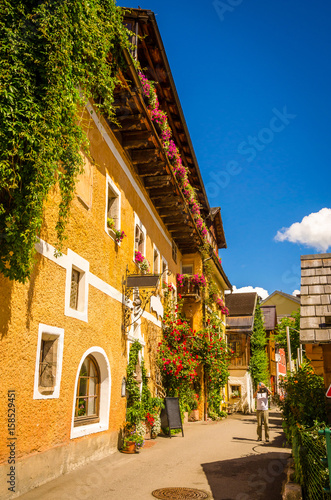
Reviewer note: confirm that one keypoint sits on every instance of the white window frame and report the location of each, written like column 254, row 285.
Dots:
column 59, row 333
column 137, row 222
column 174, row 250
column 104, row 396
column 83, row 266
column 110, row 183
column 155, row 249
column 188, row 264
column 165, row 278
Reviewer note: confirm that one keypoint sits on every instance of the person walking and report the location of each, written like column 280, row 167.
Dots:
column 262, row 410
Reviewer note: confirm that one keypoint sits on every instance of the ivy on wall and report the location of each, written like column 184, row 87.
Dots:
column 52, row 54
column 258, row 365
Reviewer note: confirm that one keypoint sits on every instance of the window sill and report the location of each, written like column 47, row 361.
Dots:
column 84, row 430
column 112, row 235
column 74, row 313
column 87, row 421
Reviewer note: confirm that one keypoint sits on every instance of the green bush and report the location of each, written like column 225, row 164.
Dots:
column 304, row 401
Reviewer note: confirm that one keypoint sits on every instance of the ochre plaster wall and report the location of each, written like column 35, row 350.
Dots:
column 284, row 306
column 44, row 425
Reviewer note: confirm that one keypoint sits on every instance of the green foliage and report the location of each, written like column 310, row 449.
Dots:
column 304, row 401
column 54, row 55
column 134, row 412
column 258, row 365
column 183, row 350
column 294, row 323
column 139, row 404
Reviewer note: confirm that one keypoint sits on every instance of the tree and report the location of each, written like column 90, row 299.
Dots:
column 294, row 323
column 258, row 365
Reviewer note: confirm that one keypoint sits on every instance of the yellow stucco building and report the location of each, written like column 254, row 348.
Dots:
column 64, row 341
column 285, row 304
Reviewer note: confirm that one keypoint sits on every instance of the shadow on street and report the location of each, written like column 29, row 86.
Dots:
column 255, row 477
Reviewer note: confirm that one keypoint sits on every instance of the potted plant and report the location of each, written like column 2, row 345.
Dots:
column 141, row 262
column 235, row 394
column 111, row 223
column 149, row 422
column 133, row 440
column 118, row 234
column 132, row 443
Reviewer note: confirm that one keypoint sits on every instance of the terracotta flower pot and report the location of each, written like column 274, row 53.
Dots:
column 130, row 447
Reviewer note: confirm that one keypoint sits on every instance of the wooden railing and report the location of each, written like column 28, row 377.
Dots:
column 189, row 289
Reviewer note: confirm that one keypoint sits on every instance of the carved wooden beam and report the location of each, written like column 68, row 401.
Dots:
column 145, row 155
column 165, row 201
column 137, row 139
column 180, row 236
column 170, row 212
column 157, row 181
column 179, row 228
column 150, row 169
column 156, row 191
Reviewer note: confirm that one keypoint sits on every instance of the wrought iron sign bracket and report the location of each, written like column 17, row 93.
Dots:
column 138, row 286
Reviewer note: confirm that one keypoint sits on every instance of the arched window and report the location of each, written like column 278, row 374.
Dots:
column 88, row 393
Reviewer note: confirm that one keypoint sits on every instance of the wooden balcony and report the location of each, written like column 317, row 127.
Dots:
column 238, row 362
column 189, row 290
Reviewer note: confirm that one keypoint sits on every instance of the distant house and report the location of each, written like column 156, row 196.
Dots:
column 276, row 356
column 239, row 328
column 315, row 323
column 285, row 303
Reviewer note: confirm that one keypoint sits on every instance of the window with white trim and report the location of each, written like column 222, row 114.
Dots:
column 174, row 252
column 48, row 366
column 113, row 207
column 164, row 270
column 92, row 394
column 139, row 236
column 74, row 289
column 76, row 295
column 156, row 261
column 187, row 269
column 87, row 393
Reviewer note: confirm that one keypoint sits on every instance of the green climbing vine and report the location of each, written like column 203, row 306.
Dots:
column 54, row 55
column 258, row 365
column 141, row 406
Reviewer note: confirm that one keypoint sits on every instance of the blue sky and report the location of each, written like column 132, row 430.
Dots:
column 254, row 80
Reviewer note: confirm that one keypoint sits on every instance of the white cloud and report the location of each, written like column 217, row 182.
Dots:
column 244, row 289
column 296, row 292
column 314, row 231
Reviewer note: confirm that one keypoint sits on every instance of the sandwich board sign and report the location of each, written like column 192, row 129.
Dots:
column 328, row 392
column 170, row 415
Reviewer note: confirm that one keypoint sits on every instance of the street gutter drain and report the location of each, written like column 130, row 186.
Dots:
column 179, row 494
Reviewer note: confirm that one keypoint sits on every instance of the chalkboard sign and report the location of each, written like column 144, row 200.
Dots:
column 170, row 415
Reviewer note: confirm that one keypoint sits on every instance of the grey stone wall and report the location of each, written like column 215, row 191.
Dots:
column 315, row 298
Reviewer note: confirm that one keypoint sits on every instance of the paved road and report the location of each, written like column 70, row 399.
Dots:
column 222, row 459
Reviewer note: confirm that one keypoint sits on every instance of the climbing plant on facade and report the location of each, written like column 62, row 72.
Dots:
column 54, row 55
column 141, row 406
column 181, row 171
column 258, row 365
column 183, row 350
